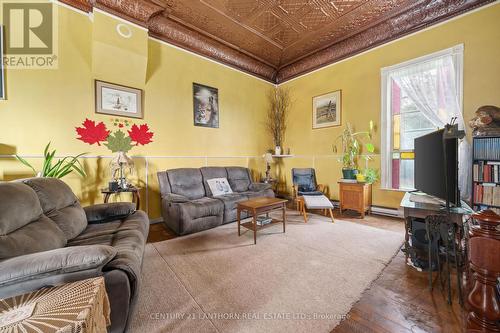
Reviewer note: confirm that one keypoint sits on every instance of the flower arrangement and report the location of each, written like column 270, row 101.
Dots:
column 124, row 138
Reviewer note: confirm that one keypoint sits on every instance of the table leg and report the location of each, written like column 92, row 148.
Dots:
column 407, row 237
column 106, row 197
column 284, row 217
column 137, row 199
column 254, row 228
column 239, row 221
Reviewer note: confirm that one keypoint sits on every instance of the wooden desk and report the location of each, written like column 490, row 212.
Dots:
column 422, row 210
column 355, row 196
column 259, row 206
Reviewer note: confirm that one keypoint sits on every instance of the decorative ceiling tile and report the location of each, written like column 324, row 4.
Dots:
column 280, row 39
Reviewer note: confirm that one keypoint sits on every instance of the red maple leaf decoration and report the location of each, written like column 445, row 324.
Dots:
column 140, row 134
column 91, row 133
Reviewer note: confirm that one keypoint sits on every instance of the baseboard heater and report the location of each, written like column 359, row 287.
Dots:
column 378, row 210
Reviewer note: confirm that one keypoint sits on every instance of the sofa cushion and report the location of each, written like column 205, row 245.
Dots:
column 19, row 206
column 53, row 262
column 255, row 194
column 60, row 204
column 187, row 182
column 239, row 178
column 230, row 200
column 127, row 237
column 39, row 235
column 202, row 207
column 210, row 173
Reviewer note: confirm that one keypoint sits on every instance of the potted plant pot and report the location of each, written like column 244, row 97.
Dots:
column 349, row 173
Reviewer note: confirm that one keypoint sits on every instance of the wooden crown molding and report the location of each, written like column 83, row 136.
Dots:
column 258, row 51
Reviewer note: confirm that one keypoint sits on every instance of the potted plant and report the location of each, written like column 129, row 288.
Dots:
column 277, row 116
column 351, row 147
column 59, row 169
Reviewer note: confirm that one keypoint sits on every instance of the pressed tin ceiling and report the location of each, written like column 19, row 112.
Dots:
column 278, row 40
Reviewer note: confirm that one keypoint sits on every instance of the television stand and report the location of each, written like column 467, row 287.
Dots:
column 423, row 210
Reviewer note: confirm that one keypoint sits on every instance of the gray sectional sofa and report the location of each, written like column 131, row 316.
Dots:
column 47, row 238
column 188, row 204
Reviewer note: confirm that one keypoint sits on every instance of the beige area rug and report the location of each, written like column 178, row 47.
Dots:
column 304, row 280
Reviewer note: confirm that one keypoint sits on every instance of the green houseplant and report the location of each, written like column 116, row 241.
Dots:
column 352, row 145
column 55, row 169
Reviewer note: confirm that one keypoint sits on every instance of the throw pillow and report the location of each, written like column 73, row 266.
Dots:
column 219, row 186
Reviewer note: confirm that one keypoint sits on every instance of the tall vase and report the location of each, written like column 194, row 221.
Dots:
column 277, row 150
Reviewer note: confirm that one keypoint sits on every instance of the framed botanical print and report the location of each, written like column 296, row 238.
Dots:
column 118, row 100
column 327, row 110
column 205, row 106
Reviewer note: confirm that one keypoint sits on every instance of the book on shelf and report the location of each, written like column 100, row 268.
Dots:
column 487, row 148
column 487, row 194
column 488, row 172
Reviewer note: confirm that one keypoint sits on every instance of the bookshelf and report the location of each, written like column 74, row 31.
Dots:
column 486, row 173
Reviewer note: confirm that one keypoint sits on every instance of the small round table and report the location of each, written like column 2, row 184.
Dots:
column 136, row 197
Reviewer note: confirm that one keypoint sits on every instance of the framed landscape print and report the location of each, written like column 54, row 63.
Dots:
column 205, row 106
column 327, row 110
column 118, row 100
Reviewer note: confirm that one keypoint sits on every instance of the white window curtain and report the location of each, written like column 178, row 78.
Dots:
column 432, row 85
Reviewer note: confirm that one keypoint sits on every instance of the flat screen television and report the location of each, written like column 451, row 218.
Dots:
column 430, row 172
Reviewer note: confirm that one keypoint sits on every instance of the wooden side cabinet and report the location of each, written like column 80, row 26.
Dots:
column 355, row 196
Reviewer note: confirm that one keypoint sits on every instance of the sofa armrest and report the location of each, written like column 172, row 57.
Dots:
column 43, row 265
column 175, row 198
column 257, row 187
column 109, row 211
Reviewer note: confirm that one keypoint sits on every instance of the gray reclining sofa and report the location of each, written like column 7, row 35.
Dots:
column 47, row 238
column 188, row 204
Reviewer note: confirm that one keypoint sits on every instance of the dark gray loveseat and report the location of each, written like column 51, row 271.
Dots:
column 47, row 238
column 188, row 204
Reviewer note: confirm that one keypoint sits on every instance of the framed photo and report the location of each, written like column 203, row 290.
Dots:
column 327, row 110
column 118, row 100
column 2, row 77
column 205, row 106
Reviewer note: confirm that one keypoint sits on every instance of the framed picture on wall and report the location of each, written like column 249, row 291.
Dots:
column 118, row 100
column 205, row 106
column 2, row 80
column 327, row 110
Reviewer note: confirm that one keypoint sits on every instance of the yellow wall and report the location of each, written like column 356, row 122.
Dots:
column 359, row 79
column 47, row 105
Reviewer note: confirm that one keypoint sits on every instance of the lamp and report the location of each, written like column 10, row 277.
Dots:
column 268, row 158
column 118, row 164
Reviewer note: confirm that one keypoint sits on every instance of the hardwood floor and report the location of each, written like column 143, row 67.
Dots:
column 398, row 301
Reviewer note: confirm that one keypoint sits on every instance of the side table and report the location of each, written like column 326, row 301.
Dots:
column 81, row 306
column 355, row 196
column 136, row 197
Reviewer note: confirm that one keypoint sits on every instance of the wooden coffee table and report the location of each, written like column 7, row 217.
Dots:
column 259, row 206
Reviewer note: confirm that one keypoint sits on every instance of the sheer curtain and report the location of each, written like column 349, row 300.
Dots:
column 431, row 85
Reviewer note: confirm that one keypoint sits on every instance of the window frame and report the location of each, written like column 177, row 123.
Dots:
column 386, row 138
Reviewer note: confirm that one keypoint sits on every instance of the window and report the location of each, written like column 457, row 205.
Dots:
column 418, row 97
